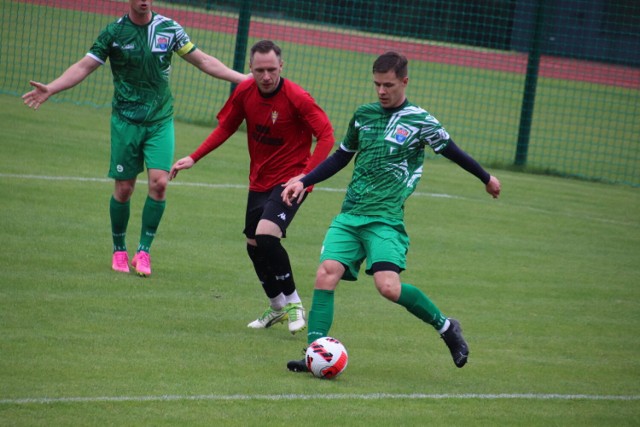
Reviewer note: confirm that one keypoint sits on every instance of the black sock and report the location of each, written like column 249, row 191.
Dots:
column 278, row 262
column 261, row 266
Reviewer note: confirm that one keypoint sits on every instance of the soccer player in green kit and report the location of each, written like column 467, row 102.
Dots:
column 139, row 46
column 389, row 138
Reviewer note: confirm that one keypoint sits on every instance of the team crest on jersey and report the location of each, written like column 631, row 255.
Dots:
column 161, row 42
column 274, row 117
column 401, row 134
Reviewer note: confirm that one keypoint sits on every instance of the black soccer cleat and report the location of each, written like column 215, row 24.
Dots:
column 297, row 366
column 456, row 343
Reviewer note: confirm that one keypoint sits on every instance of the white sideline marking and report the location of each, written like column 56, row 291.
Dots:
column 417, row 193
column 371, row 396
column 186, row 184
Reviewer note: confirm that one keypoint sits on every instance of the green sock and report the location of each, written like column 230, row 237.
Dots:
column 151, row 216
column 418, row 304
column 321, row 315
column 119, row 213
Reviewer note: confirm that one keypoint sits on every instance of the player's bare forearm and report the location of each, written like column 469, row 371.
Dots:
column 225, row 73
column 214, row 67
column 71, row 77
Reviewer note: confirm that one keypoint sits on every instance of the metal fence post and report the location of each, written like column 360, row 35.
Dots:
column 530, row 85
column 242, row 38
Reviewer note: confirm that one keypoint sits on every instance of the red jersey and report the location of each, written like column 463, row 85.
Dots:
column 280, row 130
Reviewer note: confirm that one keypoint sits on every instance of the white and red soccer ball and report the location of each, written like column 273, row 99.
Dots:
column 326, row 358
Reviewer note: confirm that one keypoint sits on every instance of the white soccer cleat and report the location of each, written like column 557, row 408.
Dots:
column 269, row 318
column 297, row 321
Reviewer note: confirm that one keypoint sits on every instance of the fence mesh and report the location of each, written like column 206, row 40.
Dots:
column 543, row 85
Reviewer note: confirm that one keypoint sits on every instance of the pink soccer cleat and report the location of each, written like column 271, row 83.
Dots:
column 142, row 263
column 120, row 261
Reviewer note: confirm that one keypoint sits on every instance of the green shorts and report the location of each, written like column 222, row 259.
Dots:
column 133, row 146
column 351, row 239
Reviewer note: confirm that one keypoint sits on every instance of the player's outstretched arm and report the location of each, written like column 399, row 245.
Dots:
column 71, row 77
column 214, row 67
column 183, row 163
column 465, row 161
column 493, row 187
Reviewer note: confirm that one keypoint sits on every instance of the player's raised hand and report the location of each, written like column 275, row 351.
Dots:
column 493, row 187
column 293, row 190
column 37, row 96
column 183, row 163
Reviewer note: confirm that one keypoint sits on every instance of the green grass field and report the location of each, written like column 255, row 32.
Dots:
column 544, row 280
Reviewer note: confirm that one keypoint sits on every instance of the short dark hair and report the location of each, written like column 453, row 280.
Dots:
column 266, row 46
column 391, row 61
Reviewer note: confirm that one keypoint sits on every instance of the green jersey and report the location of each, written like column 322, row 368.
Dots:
column 390, row 147
column 140, row 59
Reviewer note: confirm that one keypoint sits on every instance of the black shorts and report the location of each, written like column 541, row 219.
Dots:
column 269, row 205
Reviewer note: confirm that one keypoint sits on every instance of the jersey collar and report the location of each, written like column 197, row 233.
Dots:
column 398, row 108
column 275, row 92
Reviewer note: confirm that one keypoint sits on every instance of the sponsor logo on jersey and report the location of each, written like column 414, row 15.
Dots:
column 261, row 134
column 128, row 46
column 362, row 128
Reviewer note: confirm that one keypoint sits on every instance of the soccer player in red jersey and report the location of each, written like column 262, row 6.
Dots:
column 282, row 119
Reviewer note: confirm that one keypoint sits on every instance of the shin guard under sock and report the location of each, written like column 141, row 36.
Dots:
column 119, row 213
column 151, row 216
column 321, row 315
column 278, row 260
column 418, row 304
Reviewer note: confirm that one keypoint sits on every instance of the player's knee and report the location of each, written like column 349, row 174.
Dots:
column 389, row 291
column 329, row 274
column 123, row 190
column 388, row 285
column 158, row 188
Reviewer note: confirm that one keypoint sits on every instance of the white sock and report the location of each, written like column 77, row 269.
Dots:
column 444, row 327
column 293, row 298
column 278, row 302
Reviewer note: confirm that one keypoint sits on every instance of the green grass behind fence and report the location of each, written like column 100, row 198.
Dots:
column 579, row 129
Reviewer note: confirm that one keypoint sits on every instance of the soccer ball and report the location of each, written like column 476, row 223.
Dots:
column 326, row 358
